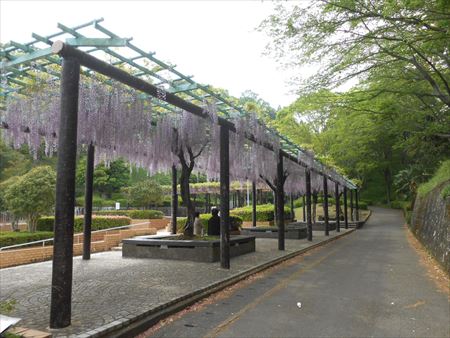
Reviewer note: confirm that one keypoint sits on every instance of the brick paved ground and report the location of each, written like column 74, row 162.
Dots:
column 109, row 288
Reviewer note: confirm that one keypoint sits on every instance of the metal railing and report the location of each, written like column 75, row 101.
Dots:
column 43, row 242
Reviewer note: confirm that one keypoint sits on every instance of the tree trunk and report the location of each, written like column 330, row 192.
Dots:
column 15, row 224
column 186, row 197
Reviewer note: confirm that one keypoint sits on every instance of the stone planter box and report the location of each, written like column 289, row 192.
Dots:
column 291, row 232
column 320, row 226
column 191, row 250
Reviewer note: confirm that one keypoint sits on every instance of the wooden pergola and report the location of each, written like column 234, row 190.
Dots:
column 170, row 91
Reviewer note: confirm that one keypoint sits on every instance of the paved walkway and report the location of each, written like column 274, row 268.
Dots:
column 367, row 284
column 109, row 290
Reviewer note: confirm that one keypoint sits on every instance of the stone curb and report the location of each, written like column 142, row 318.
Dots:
column 133, row 325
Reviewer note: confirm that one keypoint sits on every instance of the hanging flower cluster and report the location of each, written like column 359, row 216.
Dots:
column 120, row 122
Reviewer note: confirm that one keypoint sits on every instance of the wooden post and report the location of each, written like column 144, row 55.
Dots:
column 174, row 200
column 275, row 209
column 280, row 201
column 338, row 211
column 88, row 192
column 254, row 203
column 292, row 207
column 345, row 208
column 224, row 197
column 325, row 206
column 61, row 289
column 304, row 208
column 356, row 205
column 308, row 203
column 351, row 205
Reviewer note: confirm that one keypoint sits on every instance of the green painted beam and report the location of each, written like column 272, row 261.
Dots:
column 182, row 88
column 26, row 58
column 96, row 42
column 17, row 82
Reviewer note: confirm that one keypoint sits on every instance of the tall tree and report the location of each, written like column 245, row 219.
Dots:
column 31, row 195
column 352, row 38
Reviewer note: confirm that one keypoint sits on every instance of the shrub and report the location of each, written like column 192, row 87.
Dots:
column 12, row 237
column 362, row 205
column 442, row 175
column 367, row 201
column 264, row 212
column 236, row 222
column 112, row 212
column 45, row 223
column 97, row 202
column 145, row 214
column 298, row 203
column 98, row 222
column 403, row 205
column 137, row 214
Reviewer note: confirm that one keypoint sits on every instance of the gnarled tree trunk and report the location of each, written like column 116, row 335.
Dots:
column 186, row 197
column 314, row 211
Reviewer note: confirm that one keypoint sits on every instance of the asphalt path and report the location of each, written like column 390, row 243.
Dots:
column 367, row 284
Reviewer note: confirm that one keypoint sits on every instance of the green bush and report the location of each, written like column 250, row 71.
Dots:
column 403, row 205
column 136, row 214
column 367, row 201
column 45, row 223
column 362, row 205
column 298, row 203
column 236, row 222
column 97, row 202
column 264, row 212
column 442, row 175
column 98, row 222
column 12, row 237
column 112, row 212
column 146, row 214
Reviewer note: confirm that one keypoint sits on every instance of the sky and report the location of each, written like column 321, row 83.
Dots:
column 215, row 41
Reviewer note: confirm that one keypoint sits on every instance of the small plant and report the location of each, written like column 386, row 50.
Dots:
column 7, row 306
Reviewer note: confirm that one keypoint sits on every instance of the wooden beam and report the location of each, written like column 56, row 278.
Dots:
column 280, row 201
column 224, row 197
column 89, row 183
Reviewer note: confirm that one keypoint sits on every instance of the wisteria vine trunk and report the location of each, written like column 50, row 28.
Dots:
column 186, row 171
column 186, row 197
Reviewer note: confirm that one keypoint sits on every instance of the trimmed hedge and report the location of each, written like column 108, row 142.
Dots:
column 136, row 214
column 264, row 212
column 98, row 222
column 13, row 237
column 362, row 205
column 236, row 222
